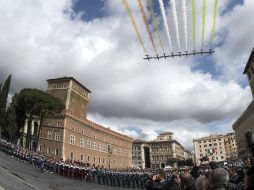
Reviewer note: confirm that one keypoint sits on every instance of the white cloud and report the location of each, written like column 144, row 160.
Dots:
column 45, row 39
column 232, row 56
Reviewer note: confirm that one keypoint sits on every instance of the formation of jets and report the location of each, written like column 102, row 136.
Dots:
column 181, row 54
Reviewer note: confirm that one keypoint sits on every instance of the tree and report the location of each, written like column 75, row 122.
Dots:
column 3, row 102
column 10, row 131
column 14, row 120
column 48, row 105
column 38, row 103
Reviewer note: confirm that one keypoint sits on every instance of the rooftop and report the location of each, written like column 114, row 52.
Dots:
column 166, row 133
column 69, row 78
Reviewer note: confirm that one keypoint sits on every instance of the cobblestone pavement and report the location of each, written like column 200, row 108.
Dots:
column 16, row 175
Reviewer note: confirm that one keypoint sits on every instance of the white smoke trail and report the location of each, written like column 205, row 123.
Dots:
column 185, row 23
column 165, row 22
column 173, row 7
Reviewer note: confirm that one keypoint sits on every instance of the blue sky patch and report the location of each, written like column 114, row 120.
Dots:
column 231, row 5
column 90, row 9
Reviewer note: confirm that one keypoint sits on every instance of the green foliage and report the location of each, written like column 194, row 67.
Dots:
column 11, row 125
column 3, row 101
column 19, row 112
column 38, row 102
column 34, row 102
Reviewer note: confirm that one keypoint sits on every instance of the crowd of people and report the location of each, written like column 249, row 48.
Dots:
column 233, row 176
column 210, row 176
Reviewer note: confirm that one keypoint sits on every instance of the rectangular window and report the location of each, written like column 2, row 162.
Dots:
column 57, row 136
column 89, row 144
column 50, row 134
column 88, row 158
column 82, row 142
column 56, row 152
column 99, row 147
column 72, row 155
column 72, row 139
column 94, row 145
column 57, row 124
column 103, row 148
column 81, row 157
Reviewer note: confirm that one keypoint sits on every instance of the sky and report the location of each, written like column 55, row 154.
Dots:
column 94, row 42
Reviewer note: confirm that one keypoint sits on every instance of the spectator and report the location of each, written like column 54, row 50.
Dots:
column 202, row 183
column 218, row 179
column 175, row 183
column 188, row 182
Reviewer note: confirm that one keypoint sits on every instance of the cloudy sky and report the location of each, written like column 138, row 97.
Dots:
column 94, row 42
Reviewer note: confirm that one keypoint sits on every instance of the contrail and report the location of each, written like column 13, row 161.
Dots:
column 173, row 7
column 185, row 23
column 215, row 11
column 147, row 25
column 165, row 22
column 155, row 24
column 134, row 24
column 194, row 23
column 203, row 22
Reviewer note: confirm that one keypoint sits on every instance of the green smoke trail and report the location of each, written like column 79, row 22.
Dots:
column 215, row 11
column 203, row 22
column 194, row 23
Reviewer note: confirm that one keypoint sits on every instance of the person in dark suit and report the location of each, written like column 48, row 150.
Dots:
column 149, row 185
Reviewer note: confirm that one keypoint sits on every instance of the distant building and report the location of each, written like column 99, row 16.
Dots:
column 217, row 148
column 71, row 136
column 188, row 155
column 162, row 151
column 140, row 154
column 245, row 123
column 230, row 146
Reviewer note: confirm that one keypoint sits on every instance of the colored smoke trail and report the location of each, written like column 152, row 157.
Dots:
column 165, row 22
column 185, row 23
column 194, row 23
column 215, row 12
column 147, row 25
column 203, row 22
column 134, row 24
column 155, row 24
column 173, row 7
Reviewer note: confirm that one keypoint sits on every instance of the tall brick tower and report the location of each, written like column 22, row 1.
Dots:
column 70, row 135
column 74, row 95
